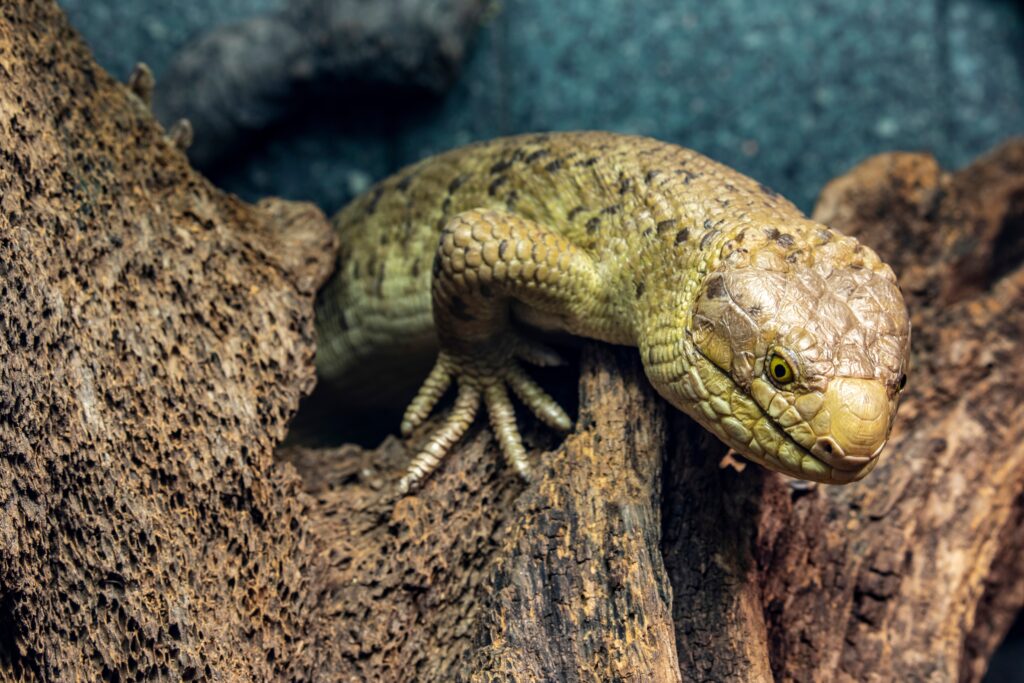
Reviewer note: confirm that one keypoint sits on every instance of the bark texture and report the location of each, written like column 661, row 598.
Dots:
column 156, row 339
column 155, row 336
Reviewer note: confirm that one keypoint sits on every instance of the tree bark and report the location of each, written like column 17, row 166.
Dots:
column 156, row 339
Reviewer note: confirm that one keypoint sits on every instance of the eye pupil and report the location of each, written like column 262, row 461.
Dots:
column 779, row 370
column 903, row 381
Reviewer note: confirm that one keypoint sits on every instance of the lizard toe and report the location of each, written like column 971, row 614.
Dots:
column 538, row 400
column 431, row 391
column 503, row 422
column 467, row 403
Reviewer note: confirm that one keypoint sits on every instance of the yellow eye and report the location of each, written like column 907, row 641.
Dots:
column 779, row 370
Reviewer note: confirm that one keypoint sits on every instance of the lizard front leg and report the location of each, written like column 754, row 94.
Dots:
column 485, row 261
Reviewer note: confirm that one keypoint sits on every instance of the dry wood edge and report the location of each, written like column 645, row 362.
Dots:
column 594, row 573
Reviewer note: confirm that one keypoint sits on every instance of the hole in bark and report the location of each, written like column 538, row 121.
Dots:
column 1008, row 247
column 1006, row 660
column 23, row 667
column 8, row 626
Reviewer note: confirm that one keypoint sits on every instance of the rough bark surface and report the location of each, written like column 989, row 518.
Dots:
column 156, row 338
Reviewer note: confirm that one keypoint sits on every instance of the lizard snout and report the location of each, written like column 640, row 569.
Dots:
column 859, row 425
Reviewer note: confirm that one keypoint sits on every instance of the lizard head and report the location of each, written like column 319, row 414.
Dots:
column 797, row 361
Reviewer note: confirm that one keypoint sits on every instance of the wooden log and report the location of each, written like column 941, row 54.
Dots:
column 157, row 336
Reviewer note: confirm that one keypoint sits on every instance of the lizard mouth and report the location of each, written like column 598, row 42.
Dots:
column 807, row 465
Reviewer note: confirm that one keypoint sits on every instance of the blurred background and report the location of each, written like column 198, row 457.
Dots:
column 316, row 99
column 792, row 93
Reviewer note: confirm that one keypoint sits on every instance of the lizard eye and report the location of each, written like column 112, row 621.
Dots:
column 780, row 371
column 903, row 382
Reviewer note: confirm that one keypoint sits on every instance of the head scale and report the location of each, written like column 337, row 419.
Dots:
column 801, row 353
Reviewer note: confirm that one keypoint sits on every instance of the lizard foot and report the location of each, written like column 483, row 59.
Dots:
column 487, row 377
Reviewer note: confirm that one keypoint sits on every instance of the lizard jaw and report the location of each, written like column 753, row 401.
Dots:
column 768, row 444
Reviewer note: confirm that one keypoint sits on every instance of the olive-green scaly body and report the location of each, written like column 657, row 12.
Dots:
column 627, row 240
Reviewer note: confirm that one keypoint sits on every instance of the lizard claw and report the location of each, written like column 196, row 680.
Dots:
column 479, row 379
column 426, row 461
column 535, row 353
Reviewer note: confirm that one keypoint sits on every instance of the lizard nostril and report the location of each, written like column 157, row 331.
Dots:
column 827, row 448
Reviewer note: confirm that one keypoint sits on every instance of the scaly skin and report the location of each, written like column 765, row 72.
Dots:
column 786, row 339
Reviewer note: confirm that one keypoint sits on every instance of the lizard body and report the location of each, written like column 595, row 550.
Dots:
column 786, row 339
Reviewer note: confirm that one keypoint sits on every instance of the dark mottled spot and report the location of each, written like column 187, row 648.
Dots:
column 492, row 189
column 575, row 212
column 459, row 309
column 501, row 166
column 682, row 236
column 825, row 235
column 665, row 226
column 625, row 184
column 511, row 199
column 772, row 233
column 785, row 240
column 593, row 224
column 485, row 291
column 716, row 288
column 687, row 175
column 651, row 175
column 793, row 257
column 648, row 232
column 730, row 187
column 415, row 270
column 458, row 182
column 533, row 156
column 708, row 224
column 611, row 210
column 740, row 237
column 502, row 247
column 640, row 288
column 435, row 269
column 859, row 249
column 374, row 199
column 404, row 183
column 588, row 162
column 706, row 240
column 540, row 138
column 446, row 205
column 754, row 311
column 553, row 166
column 767, row 190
